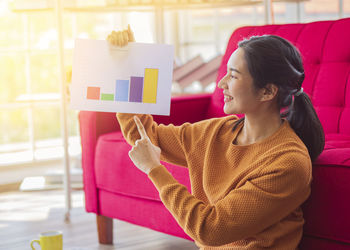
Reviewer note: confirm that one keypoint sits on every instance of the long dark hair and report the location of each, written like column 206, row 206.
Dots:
column 273, row 59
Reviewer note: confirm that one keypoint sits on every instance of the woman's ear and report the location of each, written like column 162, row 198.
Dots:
column 269, row 92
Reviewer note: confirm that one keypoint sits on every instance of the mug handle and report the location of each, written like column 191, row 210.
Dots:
column 32, row 242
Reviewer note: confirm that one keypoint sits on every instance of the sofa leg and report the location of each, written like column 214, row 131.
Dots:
column 104, row 229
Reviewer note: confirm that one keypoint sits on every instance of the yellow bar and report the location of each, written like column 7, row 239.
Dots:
column 150, row 86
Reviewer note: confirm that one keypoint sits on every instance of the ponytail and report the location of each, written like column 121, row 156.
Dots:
column 302, row 117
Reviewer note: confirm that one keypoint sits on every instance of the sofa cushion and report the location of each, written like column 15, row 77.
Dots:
column 337, row 141
column 336, row 151
column 116, row 173
column 114, row 168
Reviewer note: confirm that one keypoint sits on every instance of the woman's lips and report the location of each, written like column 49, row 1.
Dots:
column 227, row 98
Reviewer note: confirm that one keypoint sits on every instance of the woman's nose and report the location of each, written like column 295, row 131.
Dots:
column 221, row 83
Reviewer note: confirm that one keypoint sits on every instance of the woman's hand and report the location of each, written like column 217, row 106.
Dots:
column 144, row 154
column 121, row 38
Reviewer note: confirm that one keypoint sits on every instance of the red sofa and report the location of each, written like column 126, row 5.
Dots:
column 114, row 188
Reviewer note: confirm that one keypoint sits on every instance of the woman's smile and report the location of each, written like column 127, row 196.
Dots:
column 227, row 98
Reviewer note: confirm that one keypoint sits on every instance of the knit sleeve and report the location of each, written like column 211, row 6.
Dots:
column 168, row 138
column 249, row 209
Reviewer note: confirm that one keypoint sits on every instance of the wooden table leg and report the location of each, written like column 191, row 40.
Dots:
column 104, row 229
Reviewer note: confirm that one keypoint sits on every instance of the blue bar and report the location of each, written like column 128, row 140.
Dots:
column 122, row 90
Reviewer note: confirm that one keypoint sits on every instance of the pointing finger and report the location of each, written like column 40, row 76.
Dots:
column 140, row 128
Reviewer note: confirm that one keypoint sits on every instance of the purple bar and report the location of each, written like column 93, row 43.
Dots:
column 136, row 89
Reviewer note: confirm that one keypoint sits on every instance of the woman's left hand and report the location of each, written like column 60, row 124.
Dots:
column 144, row 154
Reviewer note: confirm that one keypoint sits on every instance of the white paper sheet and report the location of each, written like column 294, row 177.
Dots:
column 97, row 66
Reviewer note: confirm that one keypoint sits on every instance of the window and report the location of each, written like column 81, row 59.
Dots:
column 29, row 100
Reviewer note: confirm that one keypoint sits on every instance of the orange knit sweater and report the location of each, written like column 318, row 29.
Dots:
column 243, row 197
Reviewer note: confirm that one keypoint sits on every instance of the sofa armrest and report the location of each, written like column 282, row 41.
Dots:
column 92, row 125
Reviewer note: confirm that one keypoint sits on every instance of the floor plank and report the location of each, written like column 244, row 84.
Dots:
column 23, row 215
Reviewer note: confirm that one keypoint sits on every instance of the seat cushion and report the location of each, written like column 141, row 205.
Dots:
column 116, row 173
column 336, row 151
column 337, row 141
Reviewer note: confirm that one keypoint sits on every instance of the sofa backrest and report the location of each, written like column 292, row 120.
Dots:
column 325, row 48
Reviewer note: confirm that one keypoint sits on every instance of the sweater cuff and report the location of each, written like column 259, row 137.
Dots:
column 160, row 177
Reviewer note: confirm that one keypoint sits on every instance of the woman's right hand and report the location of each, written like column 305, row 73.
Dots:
column 121, row 38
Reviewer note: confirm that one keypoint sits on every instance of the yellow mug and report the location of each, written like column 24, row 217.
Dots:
column 51, row 240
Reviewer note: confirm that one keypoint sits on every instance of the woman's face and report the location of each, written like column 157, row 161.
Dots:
column 239, row 93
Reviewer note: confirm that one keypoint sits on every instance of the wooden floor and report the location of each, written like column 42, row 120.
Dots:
column 23, row 215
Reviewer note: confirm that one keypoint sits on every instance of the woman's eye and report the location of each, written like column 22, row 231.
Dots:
column 233, row 77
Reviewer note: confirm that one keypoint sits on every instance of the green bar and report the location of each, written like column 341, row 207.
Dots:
column 107, row 97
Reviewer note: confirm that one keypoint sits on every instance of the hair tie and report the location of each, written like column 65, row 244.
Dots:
column 299, row 92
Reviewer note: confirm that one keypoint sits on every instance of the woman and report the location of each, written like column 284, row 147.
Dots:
column 249, row 176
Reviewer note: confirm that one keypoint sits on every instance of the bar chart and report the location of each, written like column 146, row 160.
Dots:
column 136, row 79
column 135, row 89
